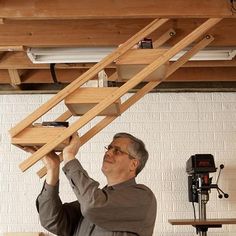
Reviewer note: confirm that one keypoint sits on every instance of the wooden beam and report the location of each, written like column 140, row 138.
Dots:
column 79, row 9
column 18, row 60
column 91, row 32
column 226, row 63
column 15, row 78
column 221, row 32
column 118, row 93
column 81, row 32
column 182, row 87
column 165, row 86
column 42, row 78
column 201, row 74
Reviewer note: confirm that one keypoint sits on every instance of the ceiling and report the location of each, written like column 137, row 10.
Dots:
column 59, row 23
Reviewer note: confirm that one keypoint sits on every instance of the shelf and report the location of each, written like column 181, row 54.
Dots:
column 83, row 99
column 135, row 60
column 202, row 222
column 38, row 136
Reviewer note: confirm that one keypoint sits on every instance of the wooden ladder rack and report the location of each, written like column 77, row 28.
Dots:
column 157, row 62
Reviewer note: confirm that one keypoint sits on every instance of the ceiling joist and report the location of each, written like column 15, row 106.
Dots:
column 15, row 78
column 91, row 32
column 106, row 9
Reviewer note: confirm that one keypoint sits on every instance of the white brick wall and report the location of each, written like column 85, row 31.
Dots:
column 173, row 125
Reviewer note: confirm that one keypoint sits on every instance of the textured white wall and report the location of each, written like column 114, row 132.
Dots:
column 173, row 125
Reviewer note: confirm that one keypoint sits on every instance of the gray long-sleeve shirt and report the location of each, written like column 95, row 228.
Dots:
column 125, row 209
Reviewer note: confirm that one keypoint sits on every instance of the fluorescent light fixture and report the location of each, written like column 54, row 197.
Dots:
column 68, row 55
column 96, row 54
column 209, row 55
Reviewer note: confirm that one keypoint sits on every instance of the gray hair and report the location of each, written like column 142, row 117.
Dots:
column 136, row 149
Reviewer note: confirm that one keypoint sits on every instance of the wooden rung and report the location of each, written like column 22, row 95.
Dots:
column 135, row 60
column 83, row 99
column 38, row 136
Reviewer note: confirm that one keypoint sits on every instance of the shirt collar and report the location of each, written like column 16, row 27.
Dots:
column 123, row 184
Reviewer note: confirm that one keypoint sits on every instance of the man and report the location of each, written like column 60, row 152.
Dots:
column 122, row 208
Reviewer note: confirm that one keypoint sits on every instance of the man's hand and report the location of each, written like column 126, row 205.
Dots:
column 70, row 151
column 51, row 162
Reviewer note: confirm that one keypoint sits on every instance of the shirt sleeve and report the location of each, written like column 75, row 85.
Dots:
column 127, row 209
column 58, row 218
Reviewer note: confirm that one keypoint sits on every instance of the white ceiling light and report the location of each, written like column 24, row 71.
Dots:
column 209, row 55
column 68, row 55
column 96, row 54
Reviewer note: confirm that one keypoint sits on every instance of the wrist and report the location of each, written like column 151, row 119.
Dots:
column 68, row 157
column 52, row 177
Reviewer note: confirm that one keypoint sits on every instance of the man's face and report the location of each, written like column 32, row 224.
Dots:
column 117, row 163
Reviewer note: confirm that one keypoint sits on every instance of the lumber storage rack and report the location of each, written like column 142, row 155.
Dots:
column 152, row 66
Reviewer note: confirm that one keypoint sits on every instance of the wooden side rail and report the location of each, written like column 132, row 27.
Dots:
column 65, row 116
column 143, row 91
column 166, row 36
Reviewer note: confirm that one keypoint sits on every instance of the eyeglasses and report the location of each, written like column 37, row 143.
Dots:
column 117, row 151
